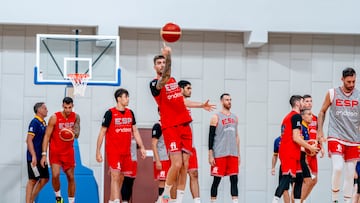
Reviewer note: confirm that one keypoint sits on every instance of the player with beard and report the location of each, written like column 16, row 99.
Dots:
column 343, row 134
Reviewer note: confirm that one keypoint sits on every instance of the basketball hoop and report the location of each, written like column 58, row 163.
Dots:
column 79, row 82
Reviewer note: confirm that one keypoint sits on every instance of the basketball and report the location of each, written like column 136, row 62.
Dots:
column 170, row 32
column 66, row 134
column 311, row 142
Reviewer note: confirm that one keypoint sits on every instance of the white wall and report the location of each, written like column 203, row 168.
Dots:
column 259, row 80
column 256, row 17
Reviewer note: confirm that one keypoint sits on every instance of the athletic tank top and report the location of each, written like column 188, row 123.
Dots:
column 119, row 132
column 173, row 111
column 225, row 136
column 344, row 116
column 57, row 145
column 289, row 148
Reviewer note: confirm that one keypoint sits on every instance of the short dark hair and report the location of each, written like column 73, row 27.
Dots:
column 183, row 83
column 224, row 94
column 294, row 99
column 119, row 92
column 348, row 72
column 68, row 100
column 37, row 106
column 157, row 57
column 307, row 96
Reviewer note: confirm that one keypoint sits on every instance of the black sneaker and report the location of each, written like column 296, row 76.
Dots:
column 59, row 200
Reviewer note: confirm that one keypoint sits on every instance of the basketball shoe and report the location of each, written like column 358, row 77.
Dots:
column 59, row 200
column 165, row 199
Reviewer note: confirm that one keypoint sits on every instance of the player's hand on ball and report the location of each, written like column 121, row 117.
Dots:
column 165, row 51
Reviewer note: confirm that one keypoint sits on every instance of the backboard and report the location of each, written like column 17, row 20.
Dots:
column 57, row 56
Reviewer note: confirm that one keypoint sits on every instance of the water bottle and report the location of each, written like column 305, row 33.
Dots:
column 36, row 171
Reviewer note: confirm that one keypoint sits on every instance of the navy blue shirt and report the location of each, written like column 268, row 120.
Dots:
column 37, row 129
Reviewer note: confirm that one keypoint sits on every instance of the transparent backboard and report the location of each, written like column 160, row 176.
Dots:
column 57, row 56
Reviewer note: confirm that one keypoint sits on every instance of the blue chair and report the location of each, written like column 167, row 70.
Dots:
column 86, row 186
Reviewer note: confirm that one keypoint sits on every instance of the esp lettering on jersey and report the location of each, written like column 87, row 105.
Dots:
column 346, row 102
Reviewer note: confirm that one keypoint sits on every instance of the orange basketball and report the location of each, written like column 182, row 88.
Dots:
column 66, row 134
column 170, row 32
column 311, row 142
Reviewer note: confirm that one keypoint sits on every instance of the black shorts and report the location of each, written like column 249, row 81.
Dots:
column 44, row 172
column 304, row 166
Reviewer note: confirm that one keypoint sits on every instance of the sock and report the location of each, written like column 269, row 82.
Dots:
column 276, row 199
column 213, row 201
column 117, row 201
column 71, row 199
column 197, row 200
column 167, row 189
column 335, row 195
column 179, row 196
column 111, row 201
column 124, row 202
column 297, row 200
column 347, row 199
column 235, row 201
column 58, row 194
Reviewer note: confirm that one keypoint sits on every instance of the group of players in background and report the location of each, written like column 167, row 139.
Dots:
column 172, row 143
column 302, row 137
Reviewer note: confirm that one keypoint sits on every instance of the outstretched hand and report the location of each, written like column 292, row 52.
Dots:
column 165, row 51
column 208, row 106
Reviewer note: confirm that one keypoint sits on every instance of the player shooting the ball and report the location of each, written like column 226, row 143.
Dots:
column 63, row 127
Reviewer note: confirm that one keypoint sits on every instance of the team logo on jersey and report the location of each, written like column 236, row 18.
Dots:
column 338, row 148
column 346, row 102
column 298, row 123
column 173, row 146
column 162, row 174
column 31, row 129
column 215, row 170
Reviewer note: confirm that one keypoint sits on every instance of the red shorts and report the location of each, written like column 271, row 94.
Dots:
column 290, row 166
column 193, row 163
column 65, row 160
column 161, row 174
column 133, row 171
column 350, row 153
column 312, row 163
column 225, row 166
column 123, row 163
column 178, row 138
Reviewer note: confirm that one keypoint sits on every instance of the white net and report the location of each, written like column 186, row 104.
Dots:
column 79, row 82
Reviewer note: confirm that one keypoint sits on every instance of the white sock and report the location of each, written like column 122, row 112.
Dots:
column 347, row 200
column 179, row 196
column 117, row 201
column 197, row 200
column 58, row 193
column 71, row 199
column 110, row 201
column 167, row 189
column 213, row 201
column 275, row 199
column 235, row 200
column 297, row 200
column 125, row 202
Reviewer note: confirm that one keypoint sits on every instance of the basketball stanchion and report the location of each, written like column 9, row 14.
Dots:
column 79, row 82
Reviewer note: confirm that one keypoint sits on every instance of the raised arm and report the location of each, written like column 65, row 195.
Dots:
column 166, row 72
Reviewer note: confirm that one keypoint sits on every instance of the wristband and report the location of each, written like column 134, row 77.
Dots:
column 43, row 154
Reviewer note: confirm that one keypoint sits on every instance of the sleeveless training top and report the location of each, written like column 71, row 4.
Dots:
column 289, row 148
column 57, row 145
column 225, row 136
column 173, row 111
column 119, row 132
column 344, row 116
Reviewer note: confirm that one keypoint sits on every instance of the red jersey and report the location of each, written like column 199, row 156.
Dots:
column 313, row 128
column 119, row 132
column 57, row 145
column 289, row 148
column 171, row 103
